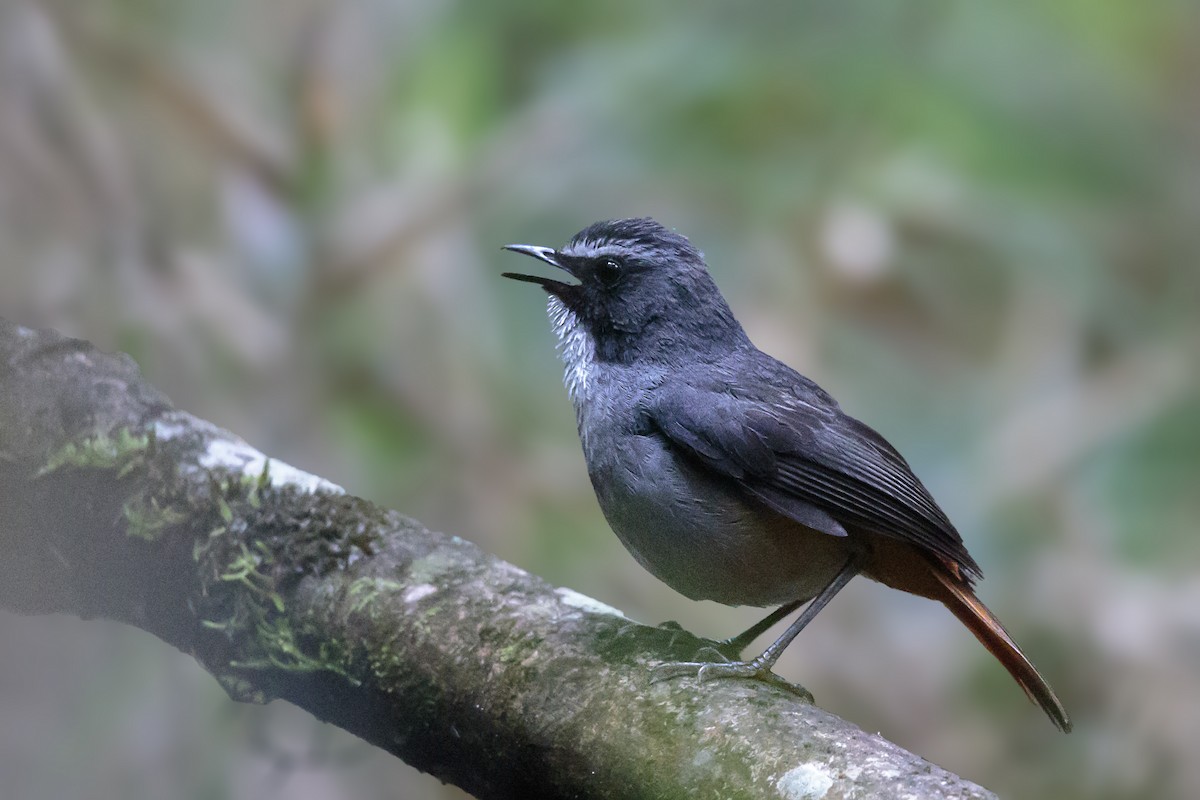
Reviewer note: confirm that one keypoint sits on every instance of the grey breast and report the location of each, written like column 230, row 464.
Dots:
column 694, row 530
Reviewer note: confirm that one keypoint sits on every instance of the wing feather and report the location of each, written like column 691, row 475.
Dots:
column 798, row 453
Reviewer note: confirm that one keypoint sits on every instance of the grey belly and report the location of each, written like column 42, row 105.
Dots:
column 700, row 536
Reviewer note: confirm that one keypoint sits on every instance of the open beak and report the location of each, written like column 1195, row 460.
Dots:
column 547, row 254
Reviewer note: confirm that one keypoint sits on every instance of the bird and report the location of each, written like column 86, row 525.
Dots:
column 728, row 475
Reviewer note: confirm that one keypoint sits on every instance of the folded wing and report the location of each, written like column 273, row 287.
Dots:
column 785, row 442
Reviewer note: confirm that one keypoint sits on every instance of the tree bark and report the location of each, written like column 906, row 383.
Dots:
column 114, row 504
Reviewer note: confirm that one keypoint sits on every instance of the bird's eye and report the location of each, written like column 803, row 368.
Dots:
column 608, row 271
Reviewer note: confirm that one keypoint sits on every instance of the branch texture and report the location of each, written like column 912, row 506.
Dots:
column 114, row 504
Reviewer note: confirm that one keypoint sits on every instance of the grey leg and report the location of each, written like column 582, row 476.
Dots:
column 734, row 645
column 760, row 668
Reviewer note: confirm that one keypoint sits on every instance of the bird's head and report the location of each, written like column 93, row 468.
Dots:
column 643, row 292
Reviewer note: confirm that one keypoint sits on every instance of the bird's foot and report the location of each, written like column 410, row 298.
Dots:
column 712, row 670
column 731, row 648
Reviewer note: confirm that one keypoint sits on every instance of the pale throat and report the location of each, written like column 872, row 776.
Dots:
column 576, row 348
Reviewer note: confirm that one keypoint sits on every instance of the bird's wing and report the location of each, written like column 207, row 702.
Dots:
column 799, row 454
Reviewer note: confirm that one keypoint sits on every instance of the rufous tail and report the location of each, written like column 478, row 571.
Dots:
column 988, row 630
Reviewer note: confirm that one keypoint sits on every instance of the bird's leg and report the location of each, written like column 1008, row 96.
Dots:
column 760, row 668
column 734, row 645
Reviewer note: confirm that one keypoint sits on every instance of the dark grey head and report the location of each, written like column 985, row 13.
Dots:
column 643, row 293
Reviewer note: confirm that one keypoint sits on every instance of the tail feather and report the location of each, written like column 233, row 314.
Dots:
column 987, row 629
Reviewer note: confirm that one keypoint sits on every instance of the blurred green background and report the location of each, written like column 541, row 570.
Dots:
column 977, row 224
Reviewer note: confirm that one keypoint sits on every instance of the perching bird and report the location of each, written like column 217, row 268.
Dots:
column 727, row 474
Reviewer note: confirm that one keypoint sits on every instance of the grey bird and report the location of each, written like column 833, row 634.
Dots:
column 727, row 474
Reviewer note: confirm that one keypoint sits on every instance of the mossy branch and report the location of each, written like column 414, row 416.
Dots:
column 114, row 504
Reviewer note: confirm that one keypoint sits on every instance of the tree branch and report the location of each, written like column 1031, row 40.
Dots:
column 114, row 504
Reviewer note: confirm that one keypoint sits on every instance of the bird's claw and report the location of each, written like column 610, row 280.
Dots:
column 712, row 670
column 709, row 655
column 730, row 649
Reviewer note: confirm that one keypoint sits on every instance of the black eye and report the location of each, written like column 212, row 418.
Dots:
column 608, row 271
